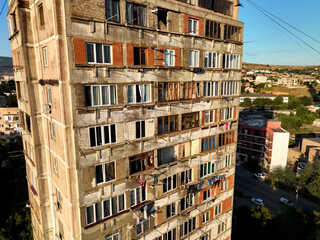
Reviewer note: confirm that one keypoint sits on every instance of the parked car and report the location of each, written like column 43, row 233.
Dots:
column 260, row 175
column 238, row 163
column 286, row 202
column 257, row 201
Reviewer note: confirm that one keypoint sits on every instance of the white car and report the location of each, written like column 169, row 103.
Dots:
column 260, row 175
column 286, row 202
column 257, row 201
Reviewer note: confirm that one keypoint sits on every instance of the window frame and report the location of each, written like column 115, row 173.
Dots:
column 172, row 208
column 189, row 120
column 52, row 130
column 111, row 90
column 173, row 183
column 41, row 15
column 211, row 115
column 140, row 21
column 172, row 55
column 137, row 198
column 208, row 143
column 188, row 202
column 143, row 91
column 168, row 91
column 206, row 194
column 45, row 56
column 226, row 113
column 141, row 157
column 191, row 90
column 211, row 59
column 104, row 172
column 205, row 217
column 175, row 119
column 113, row 17
column 224, row 185
column 186, row 177
column 194, row 58
column 55, row 165
column 204, row 172
column 142, row 129
column 193, row 26
column 102, row 53
column 102, row 135
column 217, row 209
column 210, row 89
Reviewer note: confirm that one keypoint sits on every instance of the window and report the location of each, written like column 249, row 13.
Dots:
column 168, row 56
column 12, row 26
column 168, row 91
column 221, row 227
column 206, row 4
column 19, row 59
column 139, row 56
column 105, row 209
column 231, row 61
column 213, row 29
column 34, row 180
column 59, row 198
column 137, row 196
column 232, row 33
column 208, row 143
column 226, row 113
column 190, row 120
column 185, row 177
column 166, row 155
column 167, row 124
column 49, row 96
column 102, row 135
column 224, row 185
column 99, row 53
column 143, row 226
column 139, row 93
column 112, row 10
column 211, row 60
column 53, row 133
column 206, row 169
column 193, row 26
column 209, row 116
column 116, row 235
column 140, row 129
column 162, row 19
column 141, row 162
column 171, row 210
column 169, row 183
column 210, row 89
column 205, row 217
column 226, row 138
column 187, row 1
column 28, row 121
column 136, row 14
column 217, row 209
column 191, row 90
column 205, row 237
column 24, row 94
column 31, row 151
column 206, row 194
column 229, row 88
column 98, row 95
column 186, row 202
column 105, row 172
column 194, row 58
column 45, row 56
column 223, row 6
column 228, row 160
column 171, row 235
column 41, row 14
column 188, row 227
column 55, row 166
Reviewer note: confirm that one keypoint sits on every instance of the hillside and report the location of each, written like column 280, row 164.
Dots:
column 253, row 66
column 6, row 66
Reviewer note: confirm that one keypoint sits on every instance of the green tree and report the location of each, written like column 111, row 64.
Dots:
column 11, row 100
column 261, row 214
column 306, row 101
column 253, row 164
column 277, row 101
column 293, row 103
column 246, row 102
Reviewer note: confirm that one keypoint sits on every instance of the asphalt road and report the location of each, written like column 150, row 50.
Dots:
column 252, row 187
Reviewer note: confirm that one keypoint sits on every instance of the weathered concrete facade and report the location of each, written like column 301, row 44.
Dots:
column 130, row 115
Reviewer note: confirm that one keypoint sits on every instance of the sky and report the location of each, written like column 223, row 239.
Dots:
column 264, row 41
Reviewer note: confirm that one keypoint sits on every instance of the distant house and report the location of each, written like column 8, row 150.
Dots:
column 288, row 81
column 261, row 79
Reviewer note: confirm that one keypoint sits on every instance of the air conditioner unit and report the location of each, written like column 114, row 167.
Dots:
column 46, row 108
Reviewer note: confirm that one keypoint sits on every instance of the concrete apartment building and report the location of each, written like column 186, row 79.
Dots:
column 263, row 138
column 129, row 112
column 9, row 120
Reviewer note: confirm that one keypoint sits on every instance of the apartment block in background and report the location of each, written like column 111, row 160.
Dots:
column 130, row 115
column 9, row 123
column 263, row 138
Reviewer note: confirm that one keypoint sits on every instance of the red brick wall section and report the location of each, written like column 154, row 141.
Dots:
column 79, row 47
column 117, row 53
column 200, row 26
column 177, row 57
column 226, row 204
column 129, row 54
column 228, row 238
column 230, row 181
column 234, row 112
column 160, row 57
column 185, row 23
column 160, row 215
column 150, row 58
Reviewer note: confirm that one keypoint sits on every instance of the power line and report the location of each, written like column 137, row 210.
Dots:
column 253, row 4
column 5, row 1
column 287, row 23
